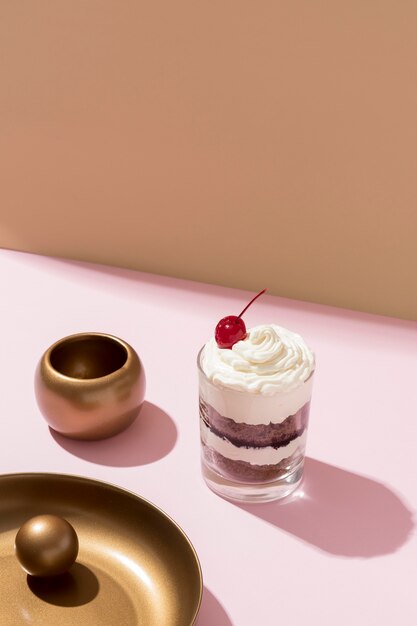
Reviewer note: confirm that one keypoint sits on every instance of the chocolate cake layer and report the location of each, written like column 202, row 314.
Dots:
column 241, row 434
column 246, row 472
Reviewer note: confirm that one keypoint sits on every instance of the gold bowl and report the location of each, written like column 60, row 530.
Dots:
column 90, row 385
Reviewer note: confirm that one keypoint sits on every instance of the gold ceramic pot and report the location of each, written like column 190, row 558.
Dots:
column 90, row 385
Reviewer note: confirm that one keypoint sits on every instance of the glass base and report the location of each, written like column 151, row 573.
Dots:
column 253, row 492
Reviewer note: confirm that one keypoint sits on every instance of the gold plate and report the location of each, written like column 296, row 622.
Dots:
column 135, row 566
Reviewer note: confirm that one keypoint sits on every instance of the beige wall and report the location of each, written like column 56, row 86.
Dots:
column 250, row 144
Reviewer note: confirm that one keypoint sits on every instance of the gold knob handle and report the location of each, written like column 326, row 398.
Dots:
column 46, row 545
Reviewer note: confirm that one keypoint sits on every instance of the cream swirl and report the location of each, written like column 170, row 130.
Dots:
column 270, row 359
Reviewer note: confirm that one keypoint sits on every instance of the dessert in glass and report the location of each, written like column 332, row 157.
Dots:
column 254, row 406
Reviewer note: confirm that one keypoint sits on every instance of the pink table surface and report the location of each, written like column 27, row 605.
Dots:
column 344, row 552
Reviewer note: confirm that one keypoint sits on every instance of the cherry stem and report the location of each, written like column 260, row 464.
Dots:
column 253, row 300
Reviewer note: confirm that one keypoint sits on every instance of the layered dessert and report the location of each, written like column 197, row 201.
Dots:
column 254, row 404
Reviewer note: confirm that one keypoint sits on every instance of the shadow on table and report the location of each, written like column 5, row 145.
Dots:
column 151, row 437
column 211, row 612
column 341, row 513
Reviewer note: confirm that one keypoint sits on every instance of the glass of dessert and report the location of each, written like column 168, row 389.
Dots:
column 254, row 395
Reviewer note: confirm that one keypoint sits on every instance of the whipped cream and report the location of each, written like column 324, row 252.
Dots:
column 270, row 360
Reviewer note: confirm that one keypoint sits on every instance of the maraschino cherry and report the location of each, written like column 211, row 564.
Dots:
column 232, row 329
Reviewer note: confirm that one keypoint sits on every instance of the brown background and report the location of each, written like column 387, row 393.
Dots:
column 244, row 143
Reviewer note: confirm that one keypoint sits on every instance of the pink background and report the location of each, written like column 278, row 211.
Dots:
column 343, row 551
